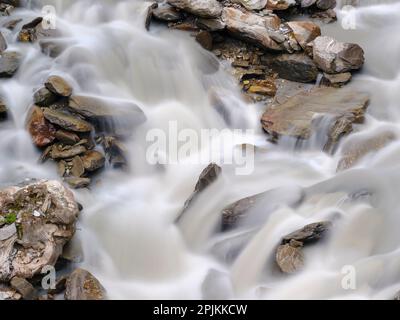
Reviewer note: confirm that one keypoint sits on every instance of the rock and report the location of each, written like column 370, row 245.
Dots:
column 27, row 291
column 295, row 116
column 63, row 152
column 167, row 13
column 263, row 87
column 40, row 238
column 304, row 31
column 11, row 24
column 210, row 24
column 77, row 183
column 358, row 147
column 28, row 32
column 326, row 4
column 333, row 56
column 115, row 152
column 67, row 121
column 200, row 8
column 67, row 137
column 93, row 160
column 41, row 131
column 60, row 286
column 6, row 9
column 335, row 80
column 110, row 117
column 251, row 27
column 9, row 63
column 307, row 3
column 9, row 294
column 295, row 67
column 252, row 4
column 208, row 176
column 279, row 4
column 309, row 233
column 205, row 39
column 3, row 107
column 82, row 285
column 77, row 169
column 44, row 97
column 3, row 43
column 59, row 86
column 326, row 16
column 289, row 258
column 149, row 15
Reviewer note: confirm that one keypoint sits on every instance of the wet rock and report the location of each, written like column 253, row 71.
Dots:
column 264, row 87
column 358, row 147
column 289, row 258
column 251, row 27
column 67, row 137
column 252, row 4
column 295, row 67
column 63, row 152
column 280, row 4
column 205, row 39
column 167, row 13
column 3, row 107
column 9, row 63
column 304, row 31
column 77, row 168
column 28, row 32
column 200, row 8
column 210, row 24
column 327, row 16
column 6, row 9
column 309, row 233
column 82, row 285
column 295, row 116
column 307, row 3
column 44, row 97
column 44, row 213
column 93, row 160
column 115, row 151
column 77, row 183
column 149, row 15
column 333, row 56
column 66, row 121
column 59, row 86
column 3, row 43
column 41, row 131
column 22, row 286
column 326, row 4
column 335, row 80
column 208, row 176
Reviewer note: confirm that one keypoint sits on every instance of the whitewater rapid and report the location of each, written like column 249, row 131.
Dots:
column 126, row 235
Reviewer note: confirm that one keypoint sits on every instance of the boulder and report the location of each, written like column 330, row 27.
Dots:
column 333, row 56
column 200, row 8
column 3, row 108
column 44, row 215
column 252, row 27
column 41, row 131
column 58, row 86
column 82, row 285
column 167, row 13
column 67, row 121
column 295, row 67
column 296, row 115
column 28, row 30
column 304, row 31
column 9, row 63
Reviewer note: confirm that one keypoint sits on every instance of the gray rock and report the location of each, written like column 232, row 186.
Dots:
column 326, row 4
column 82, row 285
column 333, row 56
column 309, row 233
column 66, row 121
column 9, row 63
column 149, row 15
column 307, row 3
column 200, row 8
column 44, row 97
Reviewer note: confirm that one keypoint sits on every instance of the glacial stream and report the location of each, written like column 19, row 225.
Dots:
column 126, row 234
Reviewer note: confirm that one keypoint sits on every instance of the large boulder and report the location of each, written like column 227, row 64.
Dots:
column 201, row 8
column 39, row 220
column 333, row 56
column 295, row 117
column 254, row 28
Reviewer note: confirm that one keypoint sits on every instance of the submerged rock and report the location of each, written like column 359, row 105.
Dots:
column 44, row 214
column 41, row 131
column 333, row 56
column 9, row 63
column 295, row 116
column 82, row 285
column 201, row 8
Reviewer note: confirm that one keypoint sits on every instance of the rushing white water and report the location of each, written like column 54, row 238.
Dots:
column 127, row 231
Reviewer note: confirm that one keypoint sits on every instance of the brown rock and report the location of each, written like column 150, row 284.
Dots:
column 67, row 137
column 304, row 31
column 77, row 183
column 63, row 152
column 336, row 80
column 210, row 24
column 77, row 168
column 200, row 8
column 41, row 131
column 44, row 97
column 150, row 15
column 27, row 291
column 263, row 87
column 93, row 160
column 205, row 39
column 289, row 258
column 82, row 285
column 309, row 233
column 66, row 121
column 59, row 86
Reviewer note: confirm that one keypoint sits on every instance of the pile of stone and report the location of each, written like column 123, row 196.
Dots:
column 37, row 219
column 79, row 132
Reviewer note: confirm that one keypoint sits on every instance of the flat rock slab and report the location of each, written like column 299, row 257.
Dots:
column 295, row 116
column 67, row 121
